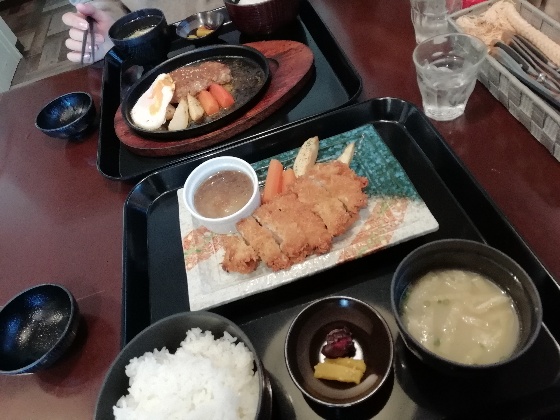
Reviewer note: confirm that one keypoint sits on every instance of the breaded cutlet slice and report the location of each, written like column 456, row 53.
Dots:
column 328, row 208
column 343, row 183
column 284, row 227
column 309, row 223
column 239, row 257
column 262, row 241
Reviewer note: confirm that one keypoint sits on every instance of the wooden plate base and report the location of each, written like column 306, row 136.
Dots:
column 290, row 68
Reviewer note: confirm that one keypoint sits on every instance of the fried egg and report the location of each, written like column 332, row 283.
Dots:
column 149, row 111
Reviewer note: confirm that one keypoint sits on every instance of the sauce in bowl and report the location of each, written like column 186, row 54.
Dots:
column 223, row 193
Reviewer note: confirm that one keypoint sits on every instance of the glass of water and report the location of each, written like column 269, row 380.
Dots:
column 446, row 68
column 429, row 17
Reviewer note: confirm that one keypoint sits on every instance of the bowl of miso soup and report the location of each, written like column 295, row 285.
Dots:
column 462, row 306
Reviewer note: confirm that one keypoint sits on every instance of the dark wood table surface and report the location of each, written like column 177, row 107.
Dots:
column 61, row 220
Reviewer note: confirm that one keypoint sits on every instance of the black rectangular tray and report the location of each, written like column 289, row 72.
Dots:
column 155, row 283
column 335, row 83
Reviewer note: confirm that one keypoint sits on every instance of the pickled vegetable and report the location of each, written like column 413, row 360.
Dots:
column 336, row 370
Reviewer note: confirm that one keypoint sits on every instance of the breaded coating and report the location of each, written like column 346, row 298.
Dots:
column 342, row 183
column 261, row 240
column 309, row 223
column 322, row 203
column 284, row 227
column 239, row 257
column 318, row 206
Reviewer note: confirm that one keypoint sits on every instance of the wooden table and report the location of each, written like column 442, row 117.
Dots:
column 61, row 221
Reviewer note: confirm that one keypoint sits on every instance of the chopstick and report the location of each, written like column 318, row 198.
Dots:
column 91, row 37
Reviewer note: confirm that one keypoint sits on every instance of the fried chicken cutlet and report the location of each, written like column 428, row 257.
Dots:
column 239, row 257
column 317, row 207
column 309, row 224
column 262, row 241
column 330, row 209
column 284, row 227
column 342, row 183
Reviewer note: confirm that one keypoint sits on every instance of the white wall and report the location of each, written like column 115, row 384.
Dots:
column 9, row 54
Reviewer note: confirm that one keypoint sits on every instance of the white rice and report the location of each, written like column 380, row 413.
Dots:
column 204, row 379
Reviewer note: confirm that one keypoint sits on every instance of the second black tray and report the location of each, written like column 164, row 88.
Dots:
column 335, row 83
column 155, row 284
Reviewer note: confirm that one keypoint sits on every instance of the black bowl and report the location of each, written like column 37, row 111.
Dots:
column 147, row 49
column 263, row 18
column 212, row 19
column 250, row 72
column 69, row 116
column 169, row 332
column 480, row 258
column 36, row 327
column 306, row 337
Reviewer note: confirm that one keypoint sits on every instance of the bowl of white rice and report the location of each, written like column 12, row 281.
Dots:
column 191, row 365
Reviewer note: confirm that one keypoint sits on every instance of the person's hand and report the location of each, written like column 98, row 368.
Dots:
column 78, row 24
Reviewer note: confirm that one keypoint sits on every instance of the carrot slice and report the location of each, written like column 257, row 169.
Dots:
column 288, row 178
column 224, row 98
column 208, row 102
column 273, row 183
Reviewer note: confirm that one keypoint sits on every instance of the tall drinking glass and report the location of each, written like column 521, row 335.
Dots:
column 429, row 17
column 446, row 68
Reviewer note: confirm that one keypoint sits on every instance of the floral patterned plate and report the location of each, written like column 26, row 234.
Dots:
column 395, row 213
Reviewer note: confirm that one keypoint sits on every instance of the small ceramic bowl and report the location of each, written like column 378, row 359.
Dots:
column 307, row 335
column 480, row 258
column 211, row 19
column 202, row 173
column 135, row 45
column 69, row 116
column 36, row 327
column 169, row 333
column 261, row 17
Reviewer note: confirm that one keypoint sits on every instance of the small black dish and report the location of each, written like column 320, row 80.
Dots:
column 36, row 327
column 170, row 332
column 69, row 116
column 250, row 73
column 211, row 19
column 480, row 258
column 373, row 342
column 135, row 45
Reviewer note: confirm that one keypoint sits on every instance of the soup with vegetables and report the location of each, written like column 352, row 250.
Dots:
column 462, row 316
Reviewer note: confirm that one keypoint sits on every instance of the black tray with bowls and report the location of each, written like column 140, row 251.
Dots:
column 155, row 283
column 335, row 83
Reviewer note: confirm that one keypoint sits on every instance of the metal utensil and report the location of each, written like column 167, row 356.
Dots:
column 538, row 53
column 528, row 67
column 535, row 60
column 514, row 68
column 91, row 33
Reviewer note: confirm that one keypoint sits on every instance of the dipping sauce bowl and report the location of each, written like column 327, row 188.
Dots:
column 206, row 170
column 211, row 20
column 36, row 327
column 69, row 116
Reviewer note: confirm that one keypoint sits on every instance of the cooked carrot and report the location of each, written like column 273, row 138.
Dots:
column 208, row 102
column 288, row 178
column 273, row 183
column 224, row 98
